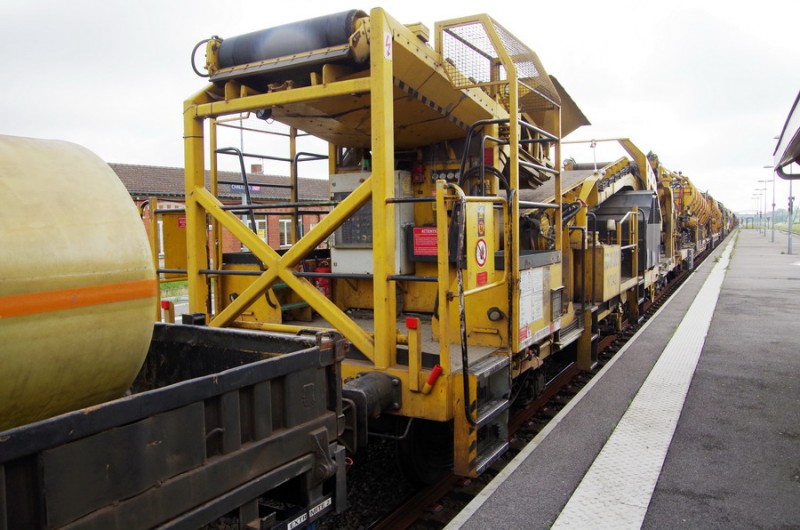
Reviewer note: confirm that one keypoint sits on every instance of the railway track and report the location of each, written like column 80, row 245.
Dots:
column 434, row 506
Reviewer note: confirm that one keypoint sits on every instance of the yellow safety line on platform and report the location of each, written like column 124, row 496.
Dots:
column 48, row 301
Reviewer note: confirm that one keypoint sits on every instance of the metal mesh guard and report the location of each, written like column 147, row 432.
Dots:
column 472, row 59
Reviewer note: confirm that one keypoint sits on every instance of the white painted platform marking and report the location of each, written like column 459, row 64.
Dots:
column 617, row 489
column 486, row 493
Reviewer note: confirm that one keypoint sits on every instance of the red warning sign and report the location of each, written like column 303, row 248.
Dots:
column 425, row 241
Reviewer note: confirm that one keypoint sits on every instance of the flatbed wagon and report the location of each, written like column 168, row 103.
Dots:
column 215, row 420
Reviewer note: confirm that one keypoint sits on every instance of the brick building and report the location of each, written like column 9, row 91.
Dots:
column 166, row 184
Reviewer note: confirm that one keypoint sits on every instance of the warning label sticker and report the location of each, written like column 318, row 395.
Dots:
column 425, row 241
column 481, row 252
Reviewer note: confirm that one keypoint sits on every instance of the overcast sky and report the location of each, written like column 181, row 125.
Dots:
column 705, row 85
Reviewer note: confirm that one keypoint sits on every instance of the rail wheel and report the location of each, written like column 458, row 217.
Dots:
column 529, row 387
column 426, row 454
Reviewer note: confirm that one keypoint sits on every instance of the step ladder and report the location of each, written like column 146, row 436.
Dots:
column 483, row 437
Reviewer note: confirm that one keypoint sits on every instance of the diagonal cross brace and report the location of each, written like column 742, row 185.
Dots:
column 282, row 267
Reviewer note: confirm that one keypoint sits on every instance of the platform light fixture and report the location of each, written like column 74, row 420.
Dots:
column 757, row 194
column 773, row 201
column 764, row 182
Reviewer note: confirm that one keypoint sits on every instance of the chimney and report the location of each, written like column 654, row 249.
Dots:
column 256, row 169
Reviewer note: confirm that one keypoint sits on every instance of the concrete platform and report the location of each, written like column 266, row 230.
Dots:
column 733, row 458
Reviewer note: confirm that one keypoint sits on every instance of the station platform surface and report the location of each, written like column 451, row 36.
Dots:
column 695, row 423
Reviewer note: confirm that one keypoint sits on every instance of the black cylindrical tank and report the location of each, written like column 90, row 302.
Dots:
column 288, row 39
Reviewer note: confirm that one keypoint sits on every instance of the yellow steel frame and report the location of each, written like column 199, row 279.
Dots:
column 380, row 347
column 514, row 112
column 201, row 202
column 213, row 104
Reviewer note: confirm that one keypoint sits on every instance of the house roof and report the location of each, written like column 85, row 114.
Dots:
column 169, row 181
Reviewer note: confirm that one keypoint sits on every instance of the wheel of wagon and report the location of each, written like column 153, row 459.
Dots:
column 426, row 453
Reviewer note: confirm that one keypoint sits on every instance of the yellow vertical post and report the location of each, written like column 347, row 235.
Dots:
column 216, row 236
column 196, row 248
column 557, row 181
column 332, row 159
column 154, row 240
column 585, row 361
column 383, row 215
column 635, row 241
column 169, row 311
column 443, row 273
column 513, row 274
column 294, row 192
column 414, row 353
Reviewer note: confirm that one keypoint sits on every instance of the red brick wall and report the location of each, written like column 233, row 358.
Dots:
column 231, row 244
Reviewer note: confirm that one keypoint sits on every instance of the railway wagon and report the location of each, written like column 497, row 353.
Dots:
column 107, row 421
column 448, row 295
column 459, row 263
column 632, row 226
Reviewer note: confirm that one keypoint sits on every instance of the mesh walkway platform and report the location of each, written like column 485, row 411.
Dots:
column 694, row 424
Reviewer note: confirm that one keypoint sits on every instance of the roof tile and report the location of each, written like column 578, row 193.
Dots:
column 168, row 182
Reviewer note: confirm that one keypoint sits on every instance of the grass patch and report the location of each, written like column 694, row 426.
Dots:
column 174, row 288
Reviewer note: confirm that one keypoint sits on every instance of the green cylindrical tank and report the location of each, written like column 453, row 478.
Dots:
column 77, row 283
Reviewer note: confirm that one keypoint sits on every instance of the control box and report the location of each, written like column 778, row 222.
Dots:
column 351, row 251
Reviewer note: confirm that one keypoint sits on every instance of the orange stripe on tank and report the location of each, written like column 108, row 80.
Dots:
column 16, row 305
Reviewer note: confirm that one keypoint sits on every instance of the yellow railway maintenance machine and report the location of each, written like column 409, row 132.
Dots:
column 613, row 220
column 695, row 217
column 446, row 284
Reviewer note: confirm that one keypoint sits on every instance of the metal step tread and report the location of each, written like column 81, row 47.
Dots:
column 490, row 410
column 565, row 339
column 489, row 455
column 488, row 365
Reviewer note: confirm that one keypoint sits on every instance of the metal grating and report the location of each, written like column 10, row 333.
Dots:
column 472, row 59
column 469, row 54
column 556, row 303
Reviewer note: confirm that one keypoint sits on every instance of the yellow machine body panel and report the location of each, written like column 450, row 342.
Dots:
column 607, row 277
column 77, row 283
column 535, row 316
column 480, row 245
column 694, row 202
column 266, row 308
column 173, row 239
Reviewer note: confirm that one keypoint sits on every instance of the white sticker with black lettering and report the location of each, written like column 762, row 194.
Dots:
column 297, row 522
column 319, row 507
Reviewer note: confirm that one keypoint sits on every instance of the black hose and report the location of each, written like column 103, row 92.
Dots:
column 471, row 172
column 572, row 210
column 594, row 248
column 462, row 313
column 194, row 53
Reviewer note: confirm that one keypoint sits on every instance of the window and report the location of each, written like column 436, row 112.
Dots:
column 261, row 230
column 285, row 232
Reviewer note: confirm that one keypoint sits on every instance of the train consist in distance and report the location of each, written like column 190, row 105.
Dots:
column 458, row 259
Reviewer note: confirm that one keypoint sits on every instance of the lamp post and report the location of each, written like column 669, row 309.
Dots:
column 773, row 202
column 759, row 217
column 791, row 217
column 765, row 182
